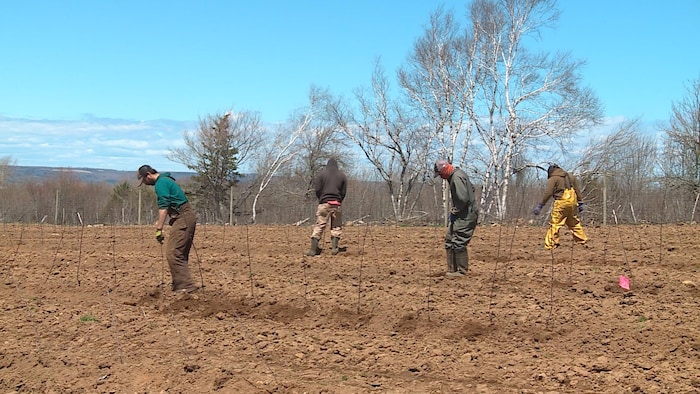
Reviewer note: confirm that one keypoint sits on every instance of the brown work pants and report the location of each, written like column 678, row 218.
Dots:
column 178, row 245
column 324, row 213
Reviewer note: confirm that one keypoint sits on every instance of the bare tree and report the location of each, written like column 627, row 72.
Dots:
column 395, row 145
column 618, row 170
column 682, row 139
column 216, row 150
column 320, row 142
column 6, row 164
column 523, row 98
column 284, row 146
column 439, row 83
column 681, row 144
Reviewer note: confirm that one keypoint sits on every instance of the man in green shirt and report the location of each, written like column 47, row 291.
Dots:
column 172, row 202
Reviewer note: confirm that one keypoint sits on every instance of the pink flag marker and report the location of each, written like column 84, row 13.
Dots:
column 624, row 282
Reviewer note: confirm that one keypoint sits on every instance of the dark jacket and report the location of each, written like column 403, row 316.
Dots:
column 556, row 183
column 330, row 184
column 462, row 192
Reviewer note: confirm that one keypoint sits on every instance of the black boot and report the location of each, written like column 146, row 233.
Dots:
column 314, row 250
column 461, row 262
column 450, row 261
column 334, row 245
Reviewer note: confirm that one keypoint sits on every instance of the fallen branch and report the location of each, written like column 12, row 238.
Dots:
column 358, row 221
column 299, row 223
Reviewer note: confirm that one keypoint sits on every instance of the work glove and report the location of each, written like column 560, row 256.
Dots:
column 159, row 236
column 581, row 207
column 537, row 209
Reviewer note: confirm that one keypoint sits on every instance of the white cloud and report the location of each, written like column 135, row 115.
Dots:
column 92, row 142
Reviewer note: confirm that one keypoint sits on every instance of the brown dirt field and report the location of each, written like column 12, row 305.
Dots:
column 85, row 311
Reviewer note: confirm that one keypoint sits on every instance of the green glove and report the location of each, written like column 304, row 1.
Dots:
column 159, row 236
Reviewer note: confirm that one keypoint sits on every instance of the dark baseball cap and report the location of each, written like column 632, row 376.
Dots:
column 143, row 171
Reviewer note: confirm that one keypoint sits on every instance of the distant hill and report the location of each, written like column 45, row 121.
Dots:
column 94, row 175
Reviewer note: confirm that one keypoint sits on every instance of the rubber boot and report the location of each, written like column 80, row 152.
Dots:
column 314, row 250
column 461, row 262
column 450, row 261
column 334, row 245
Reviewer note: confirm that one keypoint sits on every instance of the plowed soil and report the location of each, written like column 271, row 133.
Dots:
column 89, row 310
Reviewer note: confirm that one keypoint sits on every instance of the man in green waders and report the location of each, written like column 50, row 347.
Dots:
column 463, row 217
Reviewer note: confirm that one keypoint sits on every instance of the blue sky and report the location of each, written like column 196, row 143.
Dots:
column 113, row 84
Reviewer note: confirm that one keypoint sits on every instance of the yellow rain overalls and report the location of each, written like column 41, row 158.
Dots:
column 564, row 210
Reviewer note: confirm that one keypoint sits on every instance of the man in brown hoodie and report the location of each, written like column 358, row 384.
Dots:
column 330, row 186
column 564, row 188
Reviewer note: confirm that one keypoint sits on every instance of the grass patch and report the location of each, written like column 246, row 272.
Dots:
column 88, row 318
column 641, row 322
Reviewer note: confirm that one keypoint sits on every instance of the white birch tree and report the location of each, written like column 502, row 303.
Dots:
column 439, row 83
column 524, row 98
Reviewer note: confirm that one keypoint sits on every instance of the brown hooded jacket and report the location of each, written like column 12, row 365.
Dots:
column 558, row 181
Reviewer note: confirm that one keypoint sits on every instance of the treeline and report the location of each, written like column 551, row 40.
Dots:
column 66, row 200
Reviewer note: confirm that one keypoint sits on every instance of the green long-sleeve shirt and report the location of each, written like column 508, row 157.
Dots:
column 170, row 194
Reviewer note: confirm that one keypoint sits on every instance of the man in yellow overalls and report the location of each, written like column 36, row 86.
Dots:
column 564, row 188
